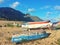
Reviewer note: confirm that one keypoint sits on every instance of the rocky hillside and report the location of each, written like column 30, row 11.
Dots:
column 8, row 13
column 35, row 18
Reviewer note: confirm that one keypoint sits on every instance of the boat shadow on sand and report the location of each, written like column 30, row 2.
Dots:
column 26, row 41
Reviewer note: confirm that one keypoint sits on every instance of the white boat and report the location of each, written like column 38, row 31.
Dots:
column 37, row 25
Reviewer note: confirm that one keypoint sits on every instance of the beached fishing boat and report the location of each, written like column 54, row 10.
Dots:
column 29, row 35
column 32, row 25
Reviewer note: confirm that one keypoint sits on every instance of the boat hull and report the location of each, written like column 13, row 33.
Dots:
column 29, row 37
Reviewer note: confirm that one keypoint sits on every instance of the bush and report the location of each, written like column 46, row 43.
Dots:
column 0, row 25
column 18, row 25
column 10, row 25
column 58, row 41
column 9, row 38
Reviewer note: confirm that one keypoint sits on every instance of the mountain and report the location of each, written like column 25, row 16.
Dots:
column 35, row 18
column 14, row 15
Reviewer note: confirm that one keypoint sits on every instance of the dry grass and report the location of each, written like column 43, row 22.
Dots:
column 7, row 32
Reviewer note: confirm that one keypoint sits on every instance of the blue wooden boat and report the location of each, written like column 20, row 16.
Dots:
column 29, row 36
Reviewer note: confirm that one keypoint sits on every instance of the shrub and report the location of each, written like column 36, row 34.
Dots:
column 18, row 25
column 9, row 38
column 10, row 25
column 58, row 41
column 0, row 25
column 57, row 27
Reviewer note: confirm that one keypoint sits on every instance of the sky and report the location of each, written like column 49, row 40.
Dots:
column 44, row 9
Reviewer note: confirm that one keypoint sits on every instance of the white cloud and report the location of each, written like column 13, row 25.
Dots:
column 57, row 7
column 45, row 7
column 31, row 10
column 15, row 4
column 1, row 1
column 48, row 13
column 58, row 18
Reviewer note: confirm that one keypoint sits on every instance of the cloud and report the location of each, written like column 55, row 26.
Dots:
column 45, row 7
column 1, row 1
column 31, row 10
column 57, row 7
column 58, row 18
column 48, row 13
column 15, row 4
